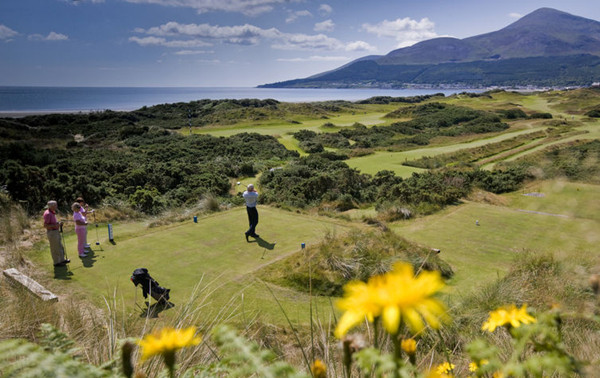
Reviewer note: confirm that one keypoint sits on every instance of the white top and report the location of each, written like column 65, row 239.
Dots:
column 251, row 198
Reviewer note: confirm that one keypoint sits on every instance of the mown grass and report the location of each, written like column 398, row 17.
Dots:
column 392, row 161
column 480, row 253
column 281, row 127
column 181, row 255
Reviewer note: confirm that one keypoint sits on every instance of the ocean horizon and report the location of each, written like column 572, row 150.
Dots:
column 14, row 99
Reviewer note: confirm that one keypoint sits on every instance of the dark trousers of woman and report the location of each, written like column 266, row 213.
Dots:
column 252, row 220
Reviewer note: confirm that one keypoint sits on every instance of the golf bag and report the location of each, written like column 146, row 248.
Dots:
column 141, row 277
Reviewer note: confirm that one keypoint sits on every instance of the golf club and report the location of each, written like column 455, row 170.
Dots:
column 96, row 223
column 62, row 237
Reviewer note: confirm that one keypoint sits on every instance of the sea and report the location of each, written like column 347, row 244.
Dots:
column 15, row 100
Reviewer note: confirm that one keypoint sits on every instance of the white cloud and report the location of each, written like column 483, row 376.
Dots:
column 360, row 46
column 325, row 9
column 77, row 2
column 208, row 61
column 515, row 15
column 307, row 42
column 247, row 7
column 316, row 58
column 158, row 41
column 240, row 34
column 6, row 32
column 295, row 15
column 193, row 52
column 174, row 34
column 52, row 36
column 405, row 30
column 325, row 26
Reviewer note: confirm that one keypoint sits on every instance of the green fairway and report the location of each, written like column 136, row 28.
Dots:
column 392, row 161
column 575, row 200
column 588, row 131
column 281, row 127
column 480, row 253
column 213, row 251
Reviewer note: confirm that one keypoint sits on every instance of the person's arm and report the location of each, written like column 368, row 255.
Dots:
column 50, row 226
column 78, row 218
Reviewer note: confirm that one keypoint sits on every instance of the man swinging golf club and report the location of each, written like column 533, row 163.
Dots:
column 251, row 196
column 53, row 227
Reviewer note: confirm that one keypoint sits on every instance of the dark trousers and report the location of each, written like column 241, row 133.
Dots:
column 252, row 220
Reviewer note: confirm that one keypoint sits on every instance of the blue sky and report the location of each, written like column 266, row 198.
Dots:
column 220, row 43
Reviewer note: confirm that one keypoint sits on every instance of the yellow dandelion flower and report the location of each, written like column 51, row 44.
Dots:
column 474, row 366
column 509, row 316
column 409, row 299
column 318, row 369
column 167, row 341
column 409, row 346
column 445, row 368
column 358, row 303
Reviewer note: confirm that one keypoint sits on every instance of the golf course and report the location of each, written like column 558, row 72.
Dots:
column 212, row 254
column 495, row 193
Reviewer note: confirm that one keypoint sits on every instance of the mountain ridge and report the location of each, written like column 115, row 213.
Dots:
column 547, row 34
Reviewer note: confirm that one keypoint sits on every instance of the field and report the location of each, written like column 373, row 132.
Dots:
column 212, row 253
column 209, row 265
column 564, row 222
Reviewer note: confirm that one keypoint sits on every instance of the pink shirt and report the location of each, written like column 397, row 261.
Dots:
column 77, row 216
column 50, row 219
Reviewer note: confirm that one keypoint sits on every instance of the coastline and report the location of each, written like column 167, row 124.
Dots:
column 26, row 113
column 19, row 102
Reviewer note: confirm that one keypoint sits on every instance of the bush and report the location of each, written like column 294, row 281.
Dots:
column 540, row 116
column 147, row 200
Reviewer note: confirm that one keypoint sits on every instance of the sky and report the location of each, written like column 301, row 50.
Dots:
column 228, row 43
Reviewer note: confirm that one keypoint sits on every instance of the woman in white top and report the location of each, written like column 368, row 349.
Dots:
column 80, row 229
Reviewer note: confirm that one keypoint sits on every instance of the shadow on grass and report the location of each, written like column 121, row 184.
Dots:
column 152, row 311
column 62, row 273
column 90, row 259
column 263, row 243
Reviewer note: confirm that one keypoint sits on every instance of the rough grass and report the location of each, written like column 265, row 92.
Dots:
column 543, row 282
column 326, row 267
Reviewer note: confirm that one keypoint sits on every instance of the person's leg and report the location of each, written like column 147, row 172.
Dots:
column 253, row 213
column 56, row 248
column 85, row 239
column 81, row 240
column 249, row 212
column 255, row 220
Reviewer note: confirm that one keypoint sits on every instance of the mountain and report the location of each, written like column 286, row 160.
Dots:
column 545, row 48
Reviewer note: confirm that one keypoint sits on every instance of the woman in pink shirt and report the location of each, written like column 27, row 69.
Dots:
column 80, row 229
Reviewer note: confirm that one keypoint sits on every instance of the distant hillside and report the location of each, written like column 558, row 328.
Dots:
column 545, row 48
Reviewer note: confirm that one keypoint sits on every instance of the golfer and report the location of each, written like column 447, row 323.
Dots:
column 84, row 210
column 251, row 196
column 80, row 229
column 52, row 227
